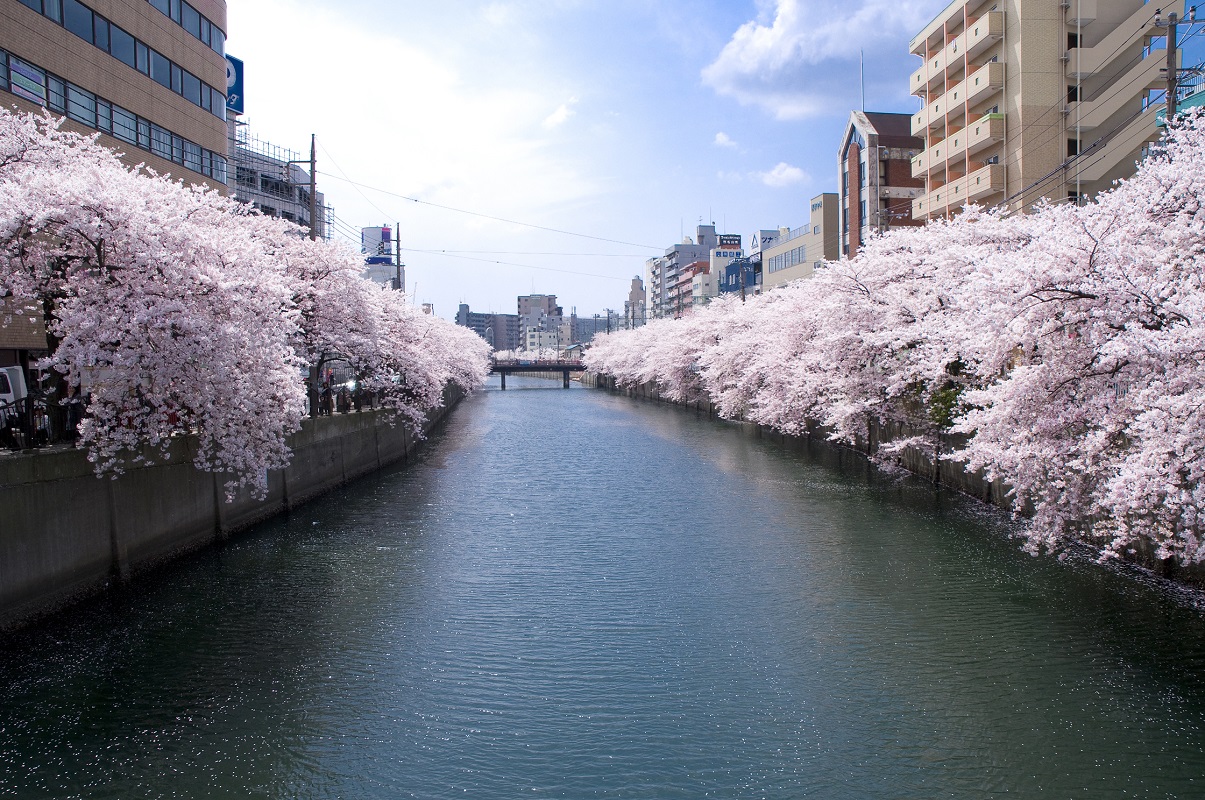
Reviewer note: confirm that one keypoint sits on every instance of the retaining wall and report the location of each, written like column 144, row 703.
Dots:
column 65, row 534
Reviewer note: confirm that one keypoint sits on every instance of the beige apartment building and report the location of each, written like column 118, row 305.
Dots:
column 150, row 75
column 1025, row 99
column 797, row 252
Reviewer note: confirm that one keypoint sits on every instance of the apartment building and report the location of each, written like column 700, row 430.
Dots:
column 1031, row 99
column 668, row 293
column 875, row 176
column 796, row 253
column 150, row 75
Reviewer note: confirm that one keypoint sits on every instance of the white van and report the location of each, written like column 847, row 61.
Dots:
column 12, row 389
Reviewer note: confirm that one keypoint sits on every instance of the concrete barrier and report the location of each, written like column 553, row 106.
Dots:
column 66, row 534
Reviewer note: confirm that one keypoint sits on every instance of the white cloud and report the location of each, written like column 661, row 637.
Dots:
column 563, row 112
column 804, row 62
column 783, row 174
column 724, row 140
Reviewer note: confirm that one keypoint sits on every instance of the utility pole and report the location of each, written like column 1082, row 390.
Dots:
column 1172, row 19
column 1172, row 66
column 741, row 266
column 313, row 187
column 397, row 259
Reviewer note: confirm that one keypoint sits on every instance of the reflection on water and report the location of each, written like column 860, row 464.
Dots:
column 573, row 594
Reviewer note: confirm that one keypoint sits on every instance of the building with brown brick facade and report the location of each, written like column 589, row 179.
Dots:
column 150, row 75
column 875, row 176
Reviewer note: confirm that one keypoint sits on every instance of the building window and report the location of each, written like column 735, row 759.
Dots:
column 27, row 81
column 161, row 70
column 81, row 105
column 125, row 126
column 161, row 142
column 77, row 18
column 1072, row 147
column 192, row 156
column 100, row 35
column 56, row 94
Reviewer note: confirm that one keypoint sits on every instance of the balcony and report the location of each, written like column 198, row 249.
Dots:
column 1085, row 61
column 934, row 114
column 984, row 182
column 933, row 70
column 920, row 122
column 918, row 84
column 984, row 132
column 984, row 82
column 1115, row 157
column 1146, row 74
column 920, row 163
column 976, row 187
column 1081, row 12
column 984, row 32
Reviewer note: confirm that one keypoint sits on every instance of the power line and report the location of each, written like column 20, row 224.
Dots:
column 542, row 253
column 447, row 254
column 489, row 216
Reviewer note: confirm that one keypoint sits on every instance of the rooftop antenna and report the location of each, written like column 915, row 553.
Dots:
column 862, row 76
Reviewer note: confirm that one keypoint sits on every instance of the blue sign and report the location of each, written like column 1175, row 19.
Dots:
column 234, row 85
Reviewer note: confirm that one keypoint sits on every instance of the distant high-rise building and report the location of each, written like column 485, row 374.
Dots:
column 668, row 292
column 500, row 330
column 634, row 308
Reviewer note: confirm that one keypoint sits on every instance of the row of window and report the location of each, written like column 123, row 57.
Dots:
column 194, row 22
column 38, row 86
column 95, row 29
column 786, row 260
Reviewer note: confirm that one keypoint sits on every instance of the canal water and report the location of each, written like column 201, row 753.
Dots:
column 572, row 594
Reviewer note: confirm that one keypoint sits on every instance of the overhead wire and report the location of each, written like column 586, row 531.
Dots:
column 487, row 216
column 447, row 254
column 1111, row 88
column 1087, row 155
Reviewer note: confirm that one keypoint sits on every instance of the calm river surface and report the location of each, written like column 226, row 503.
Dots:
column 572, row 594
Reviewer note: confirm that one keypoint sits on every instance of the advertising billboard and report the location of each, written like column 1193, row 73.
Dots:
column 377, row 245
column 234, row 85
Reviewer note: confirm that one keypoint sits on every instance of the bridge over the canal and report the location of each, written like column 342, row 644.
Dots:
column 504, row 367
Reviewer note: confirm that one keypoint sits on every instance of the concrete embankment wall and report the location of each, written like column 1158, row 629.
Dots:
column 65, row 534
column 949, row 474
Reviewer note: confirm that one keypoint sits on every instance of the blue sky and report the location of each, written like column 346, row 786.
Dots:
column 627, row 120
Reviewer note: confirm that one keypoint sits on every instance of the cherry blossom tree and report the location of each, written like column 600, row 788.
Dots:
column 180, row 311
column 1063, row 345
